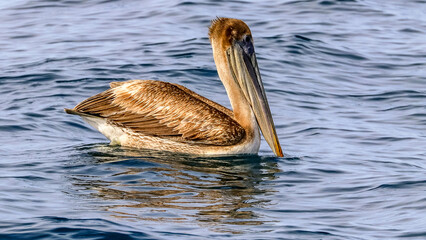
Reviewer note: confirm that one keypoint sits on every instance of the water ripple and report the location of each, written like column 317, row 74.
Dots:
column 345, row 83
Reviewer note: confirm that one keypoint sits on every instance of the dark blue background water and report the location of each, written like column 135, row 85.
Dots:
column 346, row 84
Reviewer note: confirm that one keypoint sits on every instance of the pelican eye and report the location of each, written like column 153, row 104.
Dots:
column 247, row 45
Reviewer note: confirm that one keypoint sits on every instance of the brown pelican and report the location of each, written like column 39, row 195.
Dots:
column 167, row 116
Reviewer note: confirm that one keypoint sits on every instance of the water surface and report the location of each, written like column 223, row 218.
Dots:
column 346, row 84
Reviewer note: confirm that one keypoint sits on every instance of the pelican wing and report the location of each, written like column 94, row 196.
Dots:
column 165, row 110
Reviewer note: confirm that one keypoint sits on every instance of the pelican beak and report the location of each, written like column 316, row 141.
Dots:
column 243, row 64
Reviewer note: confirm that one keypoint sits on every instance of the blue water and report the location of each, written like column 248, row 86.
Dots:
column 346, row 81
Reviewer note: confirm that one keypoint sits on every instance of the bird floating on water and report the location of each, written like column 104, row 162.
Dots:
column 166, row 116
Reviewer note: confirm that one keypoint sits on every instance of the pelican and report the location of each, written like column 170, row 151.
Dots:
column 169, row 117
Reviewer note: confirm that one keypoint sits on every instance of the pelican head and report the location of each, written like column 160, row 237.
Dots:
column 235, row 59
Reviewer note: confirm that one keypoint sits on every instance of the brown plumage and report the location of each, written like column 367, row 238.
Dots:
column 228, row 30
column 165, row 110
column 170, row 117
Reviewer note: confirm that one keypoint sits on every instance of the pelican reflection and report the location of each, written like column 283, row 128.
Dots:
column 162, row 186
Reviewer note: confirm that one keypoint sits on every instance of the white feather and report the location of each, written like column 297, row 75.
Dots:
column 114, row 133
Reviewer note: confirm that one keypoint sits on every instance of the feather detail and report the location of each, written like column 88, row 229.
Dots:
column 164, row 110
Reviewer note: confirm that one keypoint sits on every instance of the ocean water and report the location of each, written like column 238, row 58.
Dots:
column 346, row 81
